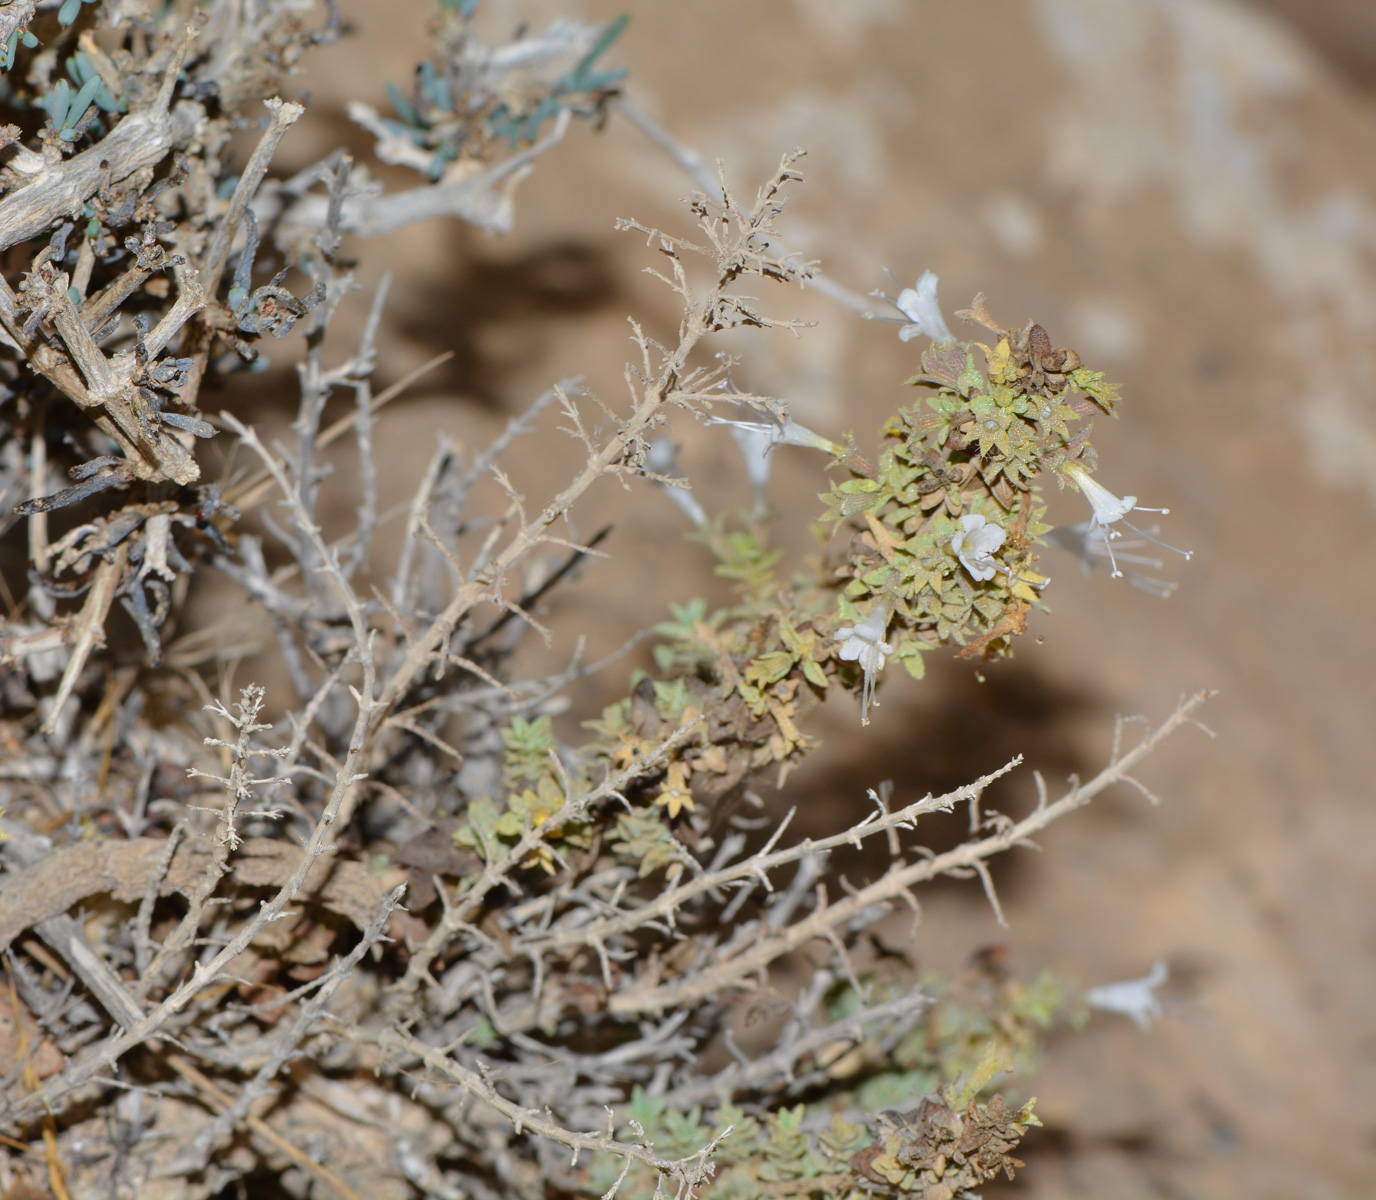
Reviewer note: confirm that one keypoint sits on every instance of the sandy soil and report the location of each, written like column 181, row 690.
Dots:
column 1186, row 193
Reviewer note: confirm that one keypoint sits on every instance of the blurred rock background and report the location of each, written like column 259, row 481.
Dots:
column 1185, row 192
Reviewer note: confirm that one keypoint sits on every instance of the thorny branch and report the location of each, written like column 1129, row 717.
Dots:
column 900, row 879
column 652, row 388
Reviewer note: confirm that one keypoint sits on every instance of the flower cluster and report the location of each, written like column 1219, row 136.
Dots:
column 953, row 511
column 946, row 521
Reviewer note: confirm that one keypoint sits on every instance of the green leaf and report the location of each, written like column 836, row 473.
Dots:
column 858, row 487
column 646, row 1111
column 1041, row 1001
column 613, row 31
column 970, row 379
column 528, row 747
column 435, row 87
column 672, row 699
column 83, row 101
column 1096, row 386
column 686, row 616
column 841, row 1001
column 483, row 1034
column 483, row 816
column 770, row 668
column 61, row 99
column 403, row 107
column 894, row 1089
column 836, row 1146
column 641, row 837
column 910, row 655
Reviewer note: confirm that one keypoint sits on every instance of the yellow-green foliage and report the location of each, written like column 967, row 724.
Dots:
column 923, row 1118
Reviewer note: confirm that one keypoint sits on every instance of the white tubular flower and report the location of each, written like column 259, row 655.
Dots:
column 864, row 643
column 662, row 459
column 790, row 433
column 975, row 544
column 920, row 306
column 755, row 442
column 1088, row 541
column 1135, row 998
column 1109, row 510
column 1107, row 507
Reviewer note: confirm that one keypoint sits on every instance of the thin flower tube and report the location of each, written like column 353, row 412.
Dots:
column 789, row 433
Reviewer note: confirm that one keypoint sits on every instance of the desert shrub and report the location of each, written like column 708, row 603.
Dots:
column 406, row 937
